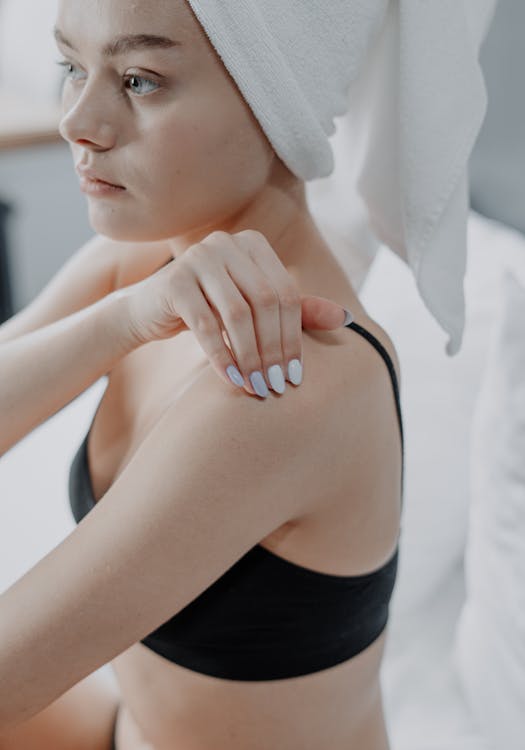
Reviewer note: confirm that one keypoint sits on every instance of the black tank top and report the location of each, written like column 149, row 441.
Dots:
column 268, row 618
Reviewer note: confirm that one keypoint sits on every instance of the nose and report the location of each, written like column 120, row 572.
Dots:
column 87, row 118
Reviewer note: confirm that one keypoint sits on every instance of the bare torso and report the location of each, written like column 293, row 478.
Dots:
column 167, row 707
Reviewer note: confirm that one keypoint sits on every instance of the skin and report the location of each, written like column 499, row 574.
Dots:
column 194, row 159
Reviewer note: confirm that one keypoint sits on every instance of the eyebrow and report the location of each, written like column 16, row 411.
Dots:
column 125, row 43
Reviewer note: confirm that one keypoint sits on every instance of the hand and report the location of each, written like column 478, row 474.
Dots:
column 235, row 295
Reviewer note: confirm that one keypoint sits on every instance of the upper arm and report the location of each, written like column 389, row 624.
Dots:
column 87, row 276
column 218, row 472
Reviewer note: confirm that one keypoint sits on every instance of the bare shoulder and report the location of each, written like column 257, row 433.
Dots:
column 320, row 432
column 381, row 335
column 348, row 382
column 367, row 371
column 348, row 364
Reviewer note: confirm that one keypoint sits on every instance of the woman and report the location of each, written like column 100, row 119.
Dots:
column 238, row 572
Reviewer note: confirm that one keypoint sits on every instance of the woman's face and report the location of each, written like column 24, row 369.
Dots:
column 166, row 122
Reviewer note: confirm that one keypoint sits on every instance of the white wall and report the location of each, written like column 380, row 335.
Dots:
column 28, row 52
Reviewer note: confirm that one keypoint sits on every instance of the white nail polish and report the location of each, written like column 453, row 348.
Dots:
column 348, row 317
column 276, row 378
column 235, row 376
column 258, row 384
column 295, row 372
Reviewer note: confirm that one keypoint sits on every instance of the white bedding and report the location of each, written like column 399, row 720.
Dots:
column 425, row 706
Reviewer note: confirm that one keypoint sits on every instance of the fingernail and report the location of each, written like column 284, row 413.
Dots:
column 258, row 384
column 235, row 376
column 348, row 316
column 295, row 372
column 276, row 378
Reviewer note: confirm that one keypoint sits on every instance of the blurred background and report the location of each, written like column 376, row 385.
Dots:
column 450, row 681
column 42, row 212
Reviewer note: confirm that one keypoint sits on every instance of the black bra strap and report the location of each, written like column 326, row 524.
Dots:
column 383, row 352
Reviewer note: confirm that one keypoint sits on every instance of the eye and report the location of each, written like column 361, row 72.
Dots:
column 67, row 67
column 135, row 79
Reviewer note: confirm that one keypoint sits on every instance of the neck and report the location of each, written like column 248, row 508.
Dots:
column 283, row 217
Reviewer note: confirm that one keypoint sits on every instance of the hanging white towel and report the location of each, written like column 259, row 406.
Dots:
column 406, row 76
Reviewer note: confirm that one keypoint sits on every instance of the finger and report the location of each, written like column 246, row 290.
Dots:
column 262, row 351
column 319, row 313
column 194, row 309
column 233, row 301
column 289, row 328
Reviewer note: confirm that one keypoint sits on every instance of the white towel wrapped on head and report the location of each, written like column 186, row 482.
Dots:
column 405, row 74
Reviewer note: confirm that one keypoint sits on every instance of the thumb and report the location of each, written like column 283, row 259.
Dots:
column 319, row 313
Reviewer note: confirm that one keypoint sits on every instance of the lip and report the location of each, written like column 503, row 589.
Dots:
column 99, row 188
column 90, row 176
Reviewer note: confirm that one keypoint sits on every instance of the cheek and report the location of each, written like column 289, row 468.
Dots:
column 216, row 163
column 187, row 171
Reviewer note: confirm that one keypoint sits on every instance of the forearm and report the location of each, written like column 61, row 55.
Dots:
column 43, row 371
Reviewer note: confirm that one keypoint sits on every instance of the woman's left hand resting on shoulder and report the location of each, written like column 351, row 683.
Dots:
column 234, row 283
column 252, row 298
